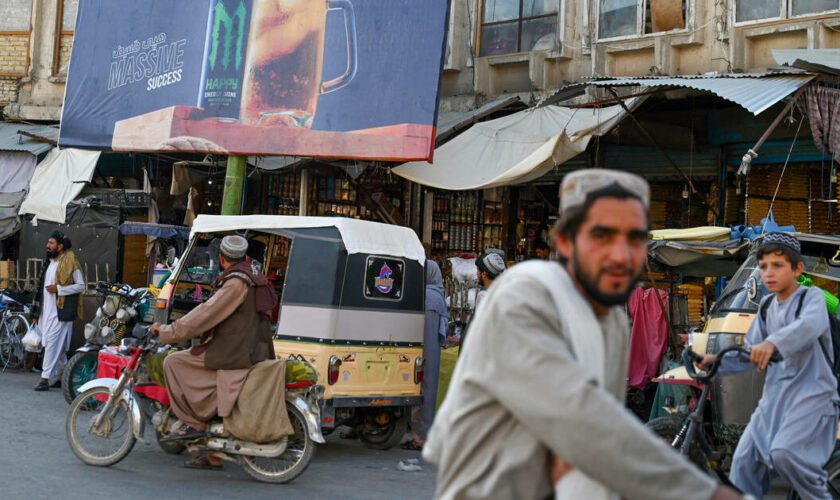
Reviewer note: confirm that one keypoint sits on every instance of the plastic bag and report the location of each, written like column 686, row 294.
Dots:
column 32, row 340
column 300, row 371
column 464, row 270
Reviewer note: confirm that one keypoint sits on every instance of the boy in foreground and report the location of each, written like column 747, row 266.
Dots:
column 792, row 432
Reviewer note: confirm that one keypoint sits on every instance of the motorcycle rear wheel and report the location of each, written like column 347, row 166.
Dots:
column 78, row 371
column 291, row 463
column 170, row 447
column 77, row 425
column 12, row 330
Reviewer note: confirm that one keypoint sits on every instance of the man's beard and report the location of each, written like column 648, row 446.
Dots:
column 51, row 254
column 590, row 286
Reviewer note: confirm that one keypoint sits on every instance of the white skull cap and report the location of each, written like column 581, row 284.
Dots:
column 234, row 246
column 580, row 183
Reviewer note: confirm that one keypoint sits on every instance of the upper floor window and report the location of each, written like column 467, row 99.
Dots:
column 69, row 8
column 509, row 26
column 620, row 18
column 756, row 10
column 65, row 31
column 15, row 15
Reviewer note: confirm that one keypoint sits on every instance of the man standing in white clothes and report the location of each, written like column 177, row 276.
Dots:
column 57, row 304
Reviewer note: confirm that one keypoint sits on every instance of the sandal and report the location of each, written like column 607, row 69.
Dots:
column 412, row 445
column 202, row 463
column 183, row 432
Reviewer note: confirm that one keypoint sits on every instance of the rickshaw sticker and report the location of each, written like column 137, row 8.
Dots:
column 384, row 278
column 385, row 283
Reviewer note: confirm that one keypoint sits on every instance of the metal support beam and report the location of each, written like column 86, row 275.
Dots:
column 234, row 185
column 304, row 192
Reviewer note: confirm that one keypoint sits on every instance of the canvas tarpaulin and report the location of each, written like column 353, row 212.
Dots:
column 94, row 233
column 514, row 149
column 700, row 258
column 9, row 206
column 702, row 233
column 57, row 182
column 16, row 169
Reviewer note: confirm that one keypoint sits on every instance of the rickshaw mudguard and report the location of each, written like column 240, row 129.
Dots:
column 312, row 415
column 138, row 423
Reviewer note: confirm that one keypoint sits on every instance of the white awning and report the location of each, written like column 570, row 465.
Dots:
column 57, row 181
column 755, row 92
column 359, row 236
column 514, row 149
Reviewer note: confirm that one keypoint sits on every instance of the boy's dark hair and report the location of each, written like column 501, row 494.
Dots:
column 792, row 255
column 571, row 220
column 541, row 245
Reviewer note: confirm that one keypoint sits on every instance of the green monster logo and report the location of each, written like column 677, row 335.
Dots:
column 222, row 18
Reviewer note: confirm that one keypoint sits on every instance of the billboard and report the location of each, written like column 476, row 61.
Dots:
column 322, row 78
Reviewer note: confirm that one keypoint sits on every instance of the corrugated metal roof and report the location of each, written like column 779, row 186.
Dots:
column 449, row 123
column 755, row 92
column 12, row 140
column 822, row 60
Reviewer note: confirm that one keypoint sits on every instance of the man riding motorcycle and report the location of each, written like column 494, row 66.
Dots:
column 235, row 331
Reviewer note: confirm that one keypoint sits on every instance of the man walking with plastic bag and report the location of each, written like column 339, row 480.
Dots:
column 57, row 304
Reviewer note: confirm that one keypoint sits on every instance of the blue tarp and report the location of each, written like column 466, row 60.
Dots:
column 767, row 226
column 156, row 230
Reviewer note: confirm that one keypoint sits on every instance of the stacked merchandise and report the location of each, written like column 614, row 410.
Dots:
column 658, row 214
column 666, row 205
column 336, row 197
column 458, row 223
column 440, row 224
column 282, row 194
column 695, row 302
column 734, row 206
column 492, row 236
column 464, row 227
column 824, row 218
column 791, row 204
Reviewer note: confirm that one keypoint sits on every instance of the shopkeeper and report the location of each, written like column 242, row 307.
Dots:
column 490, row 265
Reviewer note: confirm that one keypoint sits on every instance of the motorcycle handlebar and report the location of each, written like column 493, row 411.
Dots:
column 690, row 357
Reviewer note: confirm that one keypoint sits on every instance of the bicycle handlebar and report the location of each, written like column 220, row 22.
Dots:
column 690, row 357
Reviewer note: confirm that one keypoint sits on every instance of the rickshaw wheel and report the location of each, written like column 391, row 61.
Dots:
column 384, row 437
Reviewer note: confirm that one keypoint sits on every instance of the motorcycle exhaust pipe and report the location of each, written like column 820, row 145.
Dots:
column 235, row 446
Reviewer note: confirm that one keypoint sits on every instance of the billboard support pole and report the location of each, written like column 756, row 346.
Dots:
column 234, row 185
column 304, row 192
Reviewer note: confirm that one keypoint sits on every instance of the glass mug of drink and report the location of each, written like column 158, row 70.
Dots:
column 284, row 69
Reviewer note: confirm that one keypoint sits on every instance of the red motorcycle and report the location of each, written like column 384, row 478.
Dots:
column 109, row 415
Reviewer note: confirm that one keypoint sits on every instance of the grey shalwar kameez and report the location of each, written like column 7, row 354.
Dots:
column 434, row 336
column 519, row 397
column 792, row 432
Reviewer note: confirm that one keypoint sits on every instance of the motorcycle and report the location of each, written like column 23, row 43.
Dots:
column 109, row 416
column 122, row 306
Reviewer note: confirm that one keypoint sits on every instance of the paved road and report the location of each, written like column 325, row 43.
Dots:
column 36, row 463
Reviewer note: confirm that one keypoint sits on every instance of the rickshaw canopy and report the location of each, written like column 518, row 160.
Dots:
column 358, row 236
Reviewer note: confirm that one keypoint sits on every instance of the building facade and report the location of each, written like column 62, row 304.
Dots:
column 533, row 47
column 36, row 37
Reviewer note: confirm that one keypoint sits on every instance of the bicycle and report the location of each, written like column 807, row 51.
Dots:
column 692, row 442
column 14, row 323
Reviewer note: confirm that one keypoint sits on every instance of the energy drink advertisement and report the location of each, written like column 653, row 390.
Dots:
column 222, row 76
column 354, row 79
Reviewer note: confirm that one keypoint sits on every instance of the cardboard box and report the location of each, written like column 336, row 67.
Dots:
column 7, row 274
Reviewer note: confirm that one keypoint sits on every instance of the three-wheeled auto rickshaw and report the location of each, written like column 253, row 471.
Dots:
column 351, row 304
column 735, row 397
